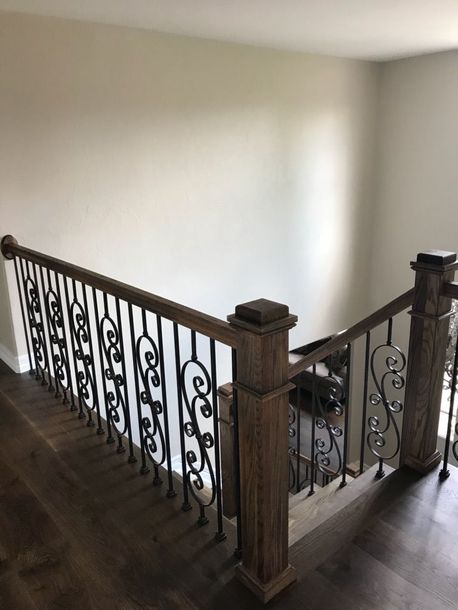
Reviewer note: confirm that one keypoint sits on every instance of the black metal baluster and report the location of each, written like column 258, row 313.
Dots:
column 220, row 535
column 312, row 453
column 21, row 297
column 186, row 505
column 41, row 330
column 79, row 351
column 346, row 418
column 51, row 351
column 110, row 438
column 380, row 472
column 171, row 493
column 445, row 472
column 73, row 407
column 94, row 388
column 65, row 344
column 144, row 468
column 235, row 415
column 298, row 439
column 365, row 392
column 132, row 459
column 35, row 309
column 33, row 340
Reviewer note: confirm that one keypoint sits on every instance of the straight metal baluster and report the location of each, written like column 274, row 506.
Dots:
column 21, row 296
column 110, row 438
column 144, row 468
column 65, row 337
column 445, row 472
column 186, row 505
column 81, row 413
column 132, row 459
column 220, row 535
column 312, row 444
column 71, row 324
column 298, row 439
column 41, row 330
column 51, row 351
column 347, row 417
column 235, row 415
column 95, row 390
column 171, row 493
column 33, row 341
column 365, row 392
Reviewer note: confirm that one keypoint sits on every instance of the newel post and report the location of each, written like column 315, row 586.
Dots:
column 262, row 397
column 426, row 363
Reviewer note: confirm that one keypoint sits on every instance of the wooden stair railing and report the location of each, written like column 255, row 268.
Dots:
column 82, row 329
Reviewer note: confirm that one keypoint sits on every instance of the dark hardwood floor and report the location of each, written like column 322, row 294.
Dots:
column 80, row 529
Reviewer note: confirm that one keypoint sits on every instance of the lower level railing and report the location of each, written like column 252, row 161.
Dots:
column 144, row 371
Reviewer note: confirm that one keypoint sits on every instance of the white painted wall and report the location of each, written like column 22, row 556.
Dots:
column 209, row 173
column 417, row 172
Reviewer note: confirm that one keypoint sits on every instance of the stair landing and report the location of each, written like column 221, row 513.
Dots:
column 80, row 529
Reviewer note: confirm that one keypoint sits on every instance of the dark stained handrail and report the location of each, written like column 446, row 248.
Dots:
column 186, row 316
column 355, row 332
column 450, row 289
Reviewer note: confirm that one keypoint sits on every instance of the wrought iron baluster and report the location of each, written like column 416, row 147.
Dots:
column 95, row 391
column 84, row 374
column 41, row 328
column 144, row 468
column 395, row 363
column 132, row 459
column 58, row 339
column 298, row 440
column 30, row 294
column 445, row 472
column 26, row 332
column 198, row 403
column 146, row 359
column 220, row 534
column 110, row 439
column 65, row 338
column 73, row 407
column 333, row 404
column 186, row 505
column 49, row 340
column 171, row 493
column 313, row 440
column 291, row 450
column 346, row 416
column 365, row 392
column 235, row 411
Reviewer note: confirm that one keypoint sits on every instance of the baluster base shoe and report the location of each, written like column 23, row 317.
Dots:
column 266, row 591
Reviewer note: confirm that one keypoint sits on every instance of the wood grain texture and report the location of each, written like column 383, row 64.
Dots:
column 203, row 323
column 354, row 332
column 262, row 391
column 425, row 366
column 123, row 545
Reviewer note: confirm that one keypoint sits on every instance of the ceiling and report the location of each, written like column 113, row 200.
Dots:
column 363, row 29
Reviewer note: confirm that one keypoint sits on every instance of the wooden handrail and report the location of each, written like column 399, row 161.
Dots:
column 450, row 289
column 353, row 333
column 186, row 316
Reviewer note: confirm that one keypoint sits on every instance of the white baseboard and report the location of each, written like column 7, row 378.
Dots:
column 18, row 364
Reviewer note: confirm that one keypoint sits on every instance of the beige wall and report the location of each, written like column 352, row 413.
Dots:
column 205, row 172
column 417, row 168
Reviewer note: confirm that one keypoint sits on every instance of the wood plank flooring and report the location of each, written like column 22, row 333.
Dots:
column 80, row 529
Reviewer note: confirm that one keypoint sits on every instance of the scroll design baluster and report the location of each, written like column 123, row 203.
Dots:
column 151, row 429
column 114, row 379
column 85, row 378
column 379, row 428
column 330, row 399
column 59, row 350
column 35, row 318
column 194, row 374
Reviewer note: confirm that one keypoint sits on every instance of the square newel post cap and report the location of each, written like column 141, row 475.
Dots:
column 434, row 260
column 262, row 316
